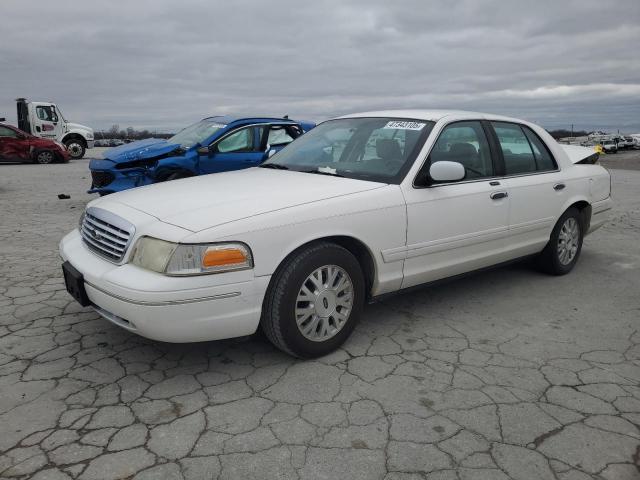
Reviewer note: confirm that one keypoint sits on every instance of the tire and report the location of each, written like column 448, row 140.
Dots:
column 285, row 300
column 555, row 259
column 44, row 157
column 75, row 147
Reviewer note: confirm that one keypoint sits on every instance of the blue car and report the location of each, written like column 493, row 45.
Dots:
column 214, row 144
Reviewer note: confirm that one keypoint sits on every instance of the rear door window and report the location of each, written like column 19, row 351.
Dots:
column 516, row 149
column 278, row 135
column 523, row 151
column 7, row 132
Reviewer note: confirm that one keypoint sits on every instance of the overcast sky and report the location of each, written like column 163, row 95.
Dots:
column 162, row 64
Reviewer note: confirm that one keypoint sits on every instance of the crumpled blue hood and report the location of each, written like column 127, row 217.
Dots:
column 139, row 150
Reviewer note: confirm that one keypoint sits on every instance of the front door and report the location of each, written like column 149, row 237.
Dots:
column 235, row 151
column 461, row 226
column 47, row 122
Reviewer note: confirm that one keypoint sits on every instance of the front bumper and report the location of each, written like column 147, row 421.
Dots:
column 169, row 309
column 119, row 180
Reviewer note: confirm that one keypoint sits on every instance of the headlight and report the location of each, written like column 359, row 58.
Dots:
column 190, row 259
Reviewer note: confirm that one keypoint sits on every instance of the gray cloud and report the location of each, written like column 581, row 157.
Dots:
column 163, row 64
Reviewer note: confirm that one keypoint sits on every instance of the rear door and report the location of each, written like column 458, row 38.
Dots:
column 535, row 184
column 13, row 146
column 459, row 226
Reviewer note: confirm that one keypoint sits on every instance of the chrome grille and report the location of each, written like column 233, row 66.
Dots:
column 106, row 234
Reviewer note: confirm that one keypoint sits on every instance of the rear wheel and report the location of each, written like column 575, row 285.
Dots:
column 45, row 156
column 564, row 247
column 314, row 301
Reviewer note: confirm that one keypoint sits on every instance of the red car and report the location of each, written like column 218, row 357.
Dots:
column 18, row 146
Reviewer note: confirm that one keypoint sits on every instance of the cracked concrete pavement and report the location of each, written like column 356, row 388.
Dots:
column 508, row 374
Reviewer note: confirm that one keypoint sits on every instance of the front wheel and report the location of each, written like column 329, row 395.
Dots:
column 44, row 157
column 75, row 148
column 314, row 301
column 564, row 247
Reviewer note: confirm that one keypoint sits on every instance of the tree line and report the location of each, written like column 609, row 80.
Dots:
column 561, row 133
column 129, row 133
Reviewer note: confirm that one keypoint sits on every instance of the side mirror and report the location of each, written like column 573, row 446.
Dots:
column 203, row 151
column 446, row 171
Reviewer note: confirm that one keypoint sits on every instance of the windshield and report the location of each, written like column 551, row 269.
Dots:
column 375, row 149
column 60, row 113
column 196, row 133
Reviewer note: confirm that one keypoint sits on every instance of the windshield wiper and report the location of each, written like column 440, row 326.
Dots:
column 320, row 172
column 276, row 166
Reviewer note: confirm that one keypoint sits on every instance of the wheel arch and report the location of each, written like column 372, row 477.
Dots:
column 357, row 247
column 36, row 151
column 75, row 136
column 165, row 171
column 583, row 206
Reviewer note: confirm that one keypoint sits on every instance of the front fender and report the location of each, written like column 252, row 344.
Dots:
column 76, row 133
column 167, row 166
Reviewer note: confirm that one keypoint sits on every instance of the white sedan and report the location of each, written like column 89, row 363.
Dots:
column 361, row 206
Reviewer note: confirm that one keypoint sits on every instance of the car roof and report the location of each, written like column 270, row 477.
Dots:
column 229, row 119
column 432, row 115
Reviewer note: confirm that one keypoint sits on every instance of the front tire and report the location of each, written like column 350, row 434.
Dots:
column 564, row 247
column 45, row 157
column 76, row 148
column 314, row 301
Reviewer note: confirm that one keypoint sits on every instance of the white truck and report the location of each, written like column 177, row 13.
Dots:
column 45, row 119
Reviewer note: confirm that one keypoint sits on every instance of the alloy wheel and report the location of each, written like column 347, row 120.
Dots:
column 568, row 241
column 324, row 303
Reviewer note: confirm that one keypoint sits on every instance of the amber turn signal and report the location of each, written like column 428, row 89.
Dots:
column 218, row 257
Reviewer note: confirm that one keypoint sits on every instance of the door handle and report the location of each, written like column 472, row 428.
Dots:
column 498, row 195
column 559, row 186
column 495, row 183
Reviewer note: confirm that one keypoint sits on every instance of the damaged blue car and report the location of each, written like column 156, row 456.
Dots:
column 212, row 145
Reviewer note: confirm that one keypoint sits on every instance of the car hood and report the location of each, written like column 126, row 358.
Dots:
column 140, row 150
column 77, row 126
column 199, row 203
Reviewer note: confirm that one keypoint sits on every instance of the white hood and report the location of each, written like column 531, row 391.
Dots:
column 207, row 201
column 77, row 127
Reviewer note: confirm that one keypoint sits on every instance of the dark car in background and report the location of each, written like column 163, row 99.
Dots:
column 19, row 146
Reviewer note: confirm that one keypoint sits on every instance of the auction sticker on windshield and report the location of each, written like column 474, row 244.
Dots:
column 405, row 125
